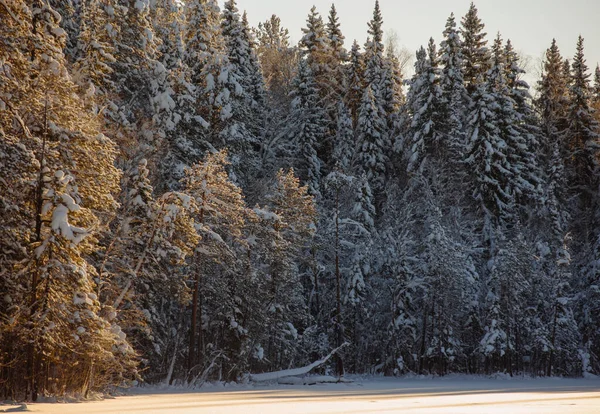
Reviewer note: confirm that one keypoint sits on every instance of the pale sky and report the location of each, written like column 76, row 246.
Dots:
column 530, row 24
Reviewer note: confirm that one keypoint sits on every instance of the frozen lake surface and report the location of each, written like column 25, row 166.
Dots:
column 380, row 395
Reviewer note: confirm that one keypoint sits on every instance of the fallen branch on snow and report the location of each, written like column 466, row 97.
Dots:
column 270, row 376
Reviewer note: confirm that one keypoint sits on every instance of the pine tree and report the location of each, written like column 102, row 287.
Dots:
column 70, row 21
column 476, row 55
column 278, row 60
column 393, row 95
column 242, row 131
column 238, row 46
column 487, row 157
column 293, row 226
column 220, row 217
column 525, row 148
column 60, row 326
column 509, row 167
column 167, row 18
column 222, row 104
column 95, row 55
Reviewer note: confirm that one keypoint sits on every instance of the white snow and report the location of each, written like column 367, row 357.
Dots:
column 454, row 394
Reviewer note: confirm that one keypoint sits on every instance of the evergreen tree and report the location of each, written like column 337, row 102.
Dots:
column 95, row 58
column 526, row 124
column 344, row 146
column 293, row 226
column 70, row 21
column 256, row 84
column 372, row 140
column 487, row 156
column 58, row 326
column 307, row 129
column 217, row 331
column 454, row 95
column 355, row 78
column 278, row 60
column 339, row 55
column 425, row 135
column 551, row 103
column 393, row 95
column 476, row 55
column 581, row 134
column 374, row 50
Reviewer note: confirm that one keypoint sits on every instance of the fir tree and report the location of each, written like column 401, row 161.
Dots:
column 476, row 55
column 551, row 103
column 355, row 78
column 454, row 94
column 307, row 128
column 374, row 52
column 317, row 50
column 581, row 134
column 371, row 146
column 339, row 55
column 344, row 146
column 425, row 135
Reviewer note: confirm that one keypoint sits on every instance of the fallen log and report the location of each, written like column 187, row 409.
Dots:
column 271, row 376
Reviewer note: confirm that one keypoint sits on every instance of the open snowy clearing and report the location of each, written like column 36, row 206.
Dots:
column 472, row 395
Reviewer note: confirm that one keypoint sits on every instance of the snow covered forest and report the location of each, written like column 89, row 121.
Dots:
column 185, row 198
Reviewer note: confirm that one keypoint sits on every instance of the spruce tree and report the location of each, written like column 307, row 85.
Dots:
column 454, row 95
column 316, row 48
column 355, row 79
column 582, row 132
column 372, row 140
column 476, row 55
column 374, row 50
column 425, row 136
column 339, row 55
column 552, row 101
column 344, row 145
column 307, row 128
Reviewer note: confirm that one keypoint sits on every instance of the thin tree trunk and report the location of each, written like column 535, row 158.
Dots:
column 191, row 353
column 423, row 337
column 551, row 357
column 192, row 356
column 339, row 362
column 39, row 201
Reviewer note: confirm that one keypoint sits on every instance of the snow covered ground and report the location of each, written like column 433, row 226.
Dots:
column 379, row 395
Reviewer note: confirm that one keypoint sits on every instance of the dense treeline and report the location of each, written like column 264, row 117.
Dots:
column 184, row 197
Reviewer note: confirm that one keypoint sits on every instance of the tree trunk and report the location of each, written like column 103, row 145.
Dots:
column 339, row 362
column 192, row 356
column 191, row 353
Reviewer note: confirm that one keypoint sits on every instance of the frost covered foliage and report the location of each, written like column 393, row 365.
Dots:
column 184, row 198
column 55, row 336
